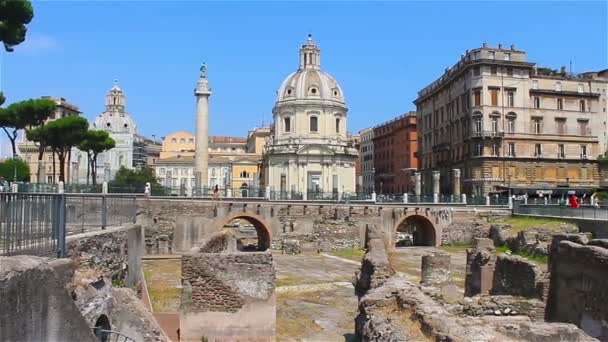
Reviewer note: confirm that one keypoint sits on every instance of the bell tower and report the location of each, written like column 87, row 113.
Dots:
column 310, row 55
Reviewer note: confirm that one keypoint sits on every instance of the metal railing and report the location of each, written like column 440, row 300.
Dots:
column 37, row 224
column 32, row 224
column 586, row 212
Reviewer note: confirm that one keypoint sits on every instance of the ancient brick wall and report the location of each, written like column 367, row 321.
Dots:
column 224, row 282
column 375, row 265
column 578, row 293
column 113, row 252
column 517, row 276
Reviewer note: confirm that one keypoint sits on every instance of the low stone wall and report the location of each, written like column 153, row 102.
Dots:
column 578, row 293
column 375, row 265
column 228, row 296
column 115, row 252
column 497, row 305
column 36, row 305
column 535, row 240
column 517, row 276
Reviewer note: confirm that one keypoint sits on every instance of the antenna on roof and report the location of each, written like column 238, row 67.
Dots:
column 570, row 68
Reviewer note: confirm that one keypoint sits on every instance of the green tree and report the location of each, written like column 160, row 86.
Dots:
column 94, row 143
column 63, row 134
column 8, row 167
column 24, row 114
column 38, row 110
column 14, row 15
column 130, row 179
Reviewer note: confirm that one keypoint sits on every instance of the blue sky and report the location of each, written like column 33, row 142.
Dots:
column 382, row 53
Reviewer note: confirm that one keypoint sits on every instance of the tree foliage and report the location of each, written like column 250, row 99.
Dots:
column 94, row 143
column 8, row 167
column 14, row 15
column 134, row 179
column 24, row 114
column 63, row 134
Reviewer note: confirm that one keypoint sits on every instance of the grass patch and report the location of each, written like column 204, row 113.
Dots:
column 541, row 258
column 519, row 223
column 456, row 247
column 349, row 253
column 163, row 278
column 289, row 280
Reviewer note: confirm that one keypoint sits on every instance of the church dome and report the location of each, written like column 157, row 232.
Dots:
column 309, row 82
column 115, row 119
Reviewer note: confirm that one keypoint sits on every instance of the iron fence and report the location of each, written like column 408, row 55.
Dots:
column 587, row 212
column 32, row 224
column 37, row 223
column 85, row 211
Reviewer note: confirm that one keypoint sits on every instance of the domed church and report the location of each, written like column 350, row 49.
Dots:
column 308, row 151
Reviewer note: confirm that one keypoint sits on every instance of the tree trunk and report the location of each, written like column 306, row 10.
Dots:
column 54, row 170
column 61, row 156
column 69, row 173
column 40, row 160
column 88, row 167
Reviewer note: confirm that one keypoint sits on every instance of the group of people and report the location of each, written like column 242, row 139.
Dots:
column 573, row 201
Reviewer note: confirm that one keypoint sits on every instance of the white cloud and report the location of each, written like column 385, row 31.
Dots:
column 37, row 43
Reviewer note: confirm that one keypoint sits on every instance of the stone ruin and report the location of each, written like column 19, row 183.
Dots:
column 394, row 309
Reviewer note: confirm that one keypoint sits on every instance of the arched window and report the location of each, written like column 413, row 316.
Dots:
column 244, row 174
column 582, row 105
column 121, row 160
column 314, row 124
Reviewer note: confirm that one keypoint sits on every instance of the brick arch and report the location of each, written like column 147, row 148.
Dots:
column 431, row 234
column 261, row 226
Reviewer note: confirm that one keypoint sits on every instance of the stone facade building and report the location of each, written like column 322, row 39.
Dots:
column 29, row 151
column 309, row 150
column 395, row 144
column 366, row 157
column 233, row 162
column 509, row 126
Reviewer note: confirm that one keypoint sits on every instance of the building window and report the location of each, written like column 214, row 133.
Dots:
column 511, row 149
column 337, row 125
column 494, row 124
column 493, row 70
column 534, row 84
column 162, row 171
column 478, row 124
column 494, row 96
column 583, row 151
column 476, row 71
column 560, row 104
column 476, row 55
column 510, row 98
column 174, row 140
column 537, row 125
column 182, row 141
column 244, row 174
column 561, row 126
column 478, row 150
column 191, row 141
column 583, row 127
column 314, row 124
column 538, row 150
column 492, row 55
column 287, row 125
column 477, row 100
column 511, row 125
column 509, row 71
column 561, row 151
column 507, row 56
column 495, row 150
column 536, row 102
column 582, row 105
column 558, row 86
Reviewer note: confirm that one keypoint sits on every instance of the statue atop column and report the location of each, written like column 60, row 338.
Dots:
column 204, row 70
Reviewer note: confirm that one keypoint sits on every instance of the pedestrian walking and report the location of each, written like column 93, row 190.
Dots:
column 216, row 193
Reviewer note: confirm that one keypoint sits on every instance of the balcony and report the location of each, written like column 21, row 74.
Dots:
column 488, row 134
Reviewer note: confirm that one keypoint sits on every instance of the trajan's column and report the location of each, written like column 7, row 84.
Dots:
column 201, row 156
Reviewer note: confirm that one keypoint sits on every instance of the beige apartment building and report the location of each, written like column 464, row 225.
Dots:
column 28, row 151
column 510, row 126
